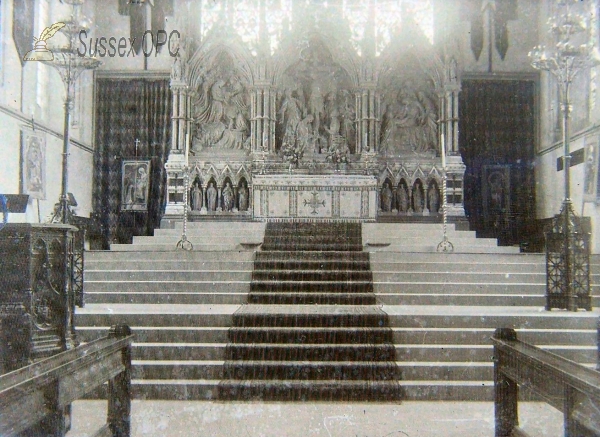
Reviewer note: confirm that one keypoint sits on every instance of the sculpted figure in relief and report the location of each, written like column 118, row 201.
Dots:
column 433, row 197
column 402, row 199
column 243, row 197
column 386, row 198
column 221, row 109
column 227, row 198
column 211, row 197
column 196, row 197
column 409, row 124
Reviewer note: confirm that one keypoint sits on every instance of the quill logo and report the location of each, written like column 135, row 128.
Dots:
column 40, row 51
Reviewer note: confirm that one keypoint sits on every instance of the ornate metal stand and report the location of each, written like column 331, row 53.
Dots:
column 567, row 247
column 445, row 245
column 567, row 263
column 184, row 243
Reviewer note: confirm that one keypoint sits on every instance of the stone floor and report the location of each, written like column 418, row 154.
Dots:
column 232, row 419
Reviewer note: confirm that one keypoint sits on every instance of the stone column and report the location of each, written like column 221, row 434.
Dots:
column 367, row 116
column 219, row 201
column 455, row 168
column 204, row 200
column 263, row 119
column 181, row 126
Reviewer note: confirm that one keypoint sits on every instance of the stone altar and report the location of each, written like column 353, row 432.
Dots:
column 315, row 198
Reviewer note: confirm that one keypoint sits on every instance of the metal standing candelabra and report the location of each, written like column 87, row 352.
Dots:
column 184, row 243
column 69, row 64
column 567, row 246
column 445, row 245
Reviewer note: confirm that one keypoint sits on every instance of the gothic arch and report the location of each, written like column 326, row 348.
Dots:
column 291, row 49
column 211, row 48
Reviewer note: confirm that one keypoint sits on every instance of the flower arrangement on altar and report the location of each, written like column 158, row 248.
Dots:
column 338, row 153
column 292, row 152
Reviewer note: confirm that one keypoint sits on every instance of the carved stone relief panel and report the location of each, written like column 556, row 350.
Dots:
column 316, row 106
column 220, row 107
column 409, row 119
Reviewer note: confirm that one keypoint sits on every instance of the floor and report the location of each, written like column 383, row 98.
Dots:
column 232, row 419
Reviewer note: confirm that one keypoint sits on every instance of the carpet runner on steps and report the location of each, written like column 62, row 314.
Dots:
column 311, row 329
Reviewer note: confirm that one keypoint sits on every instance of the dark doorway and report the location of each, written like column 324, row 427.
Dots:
column 497, row 141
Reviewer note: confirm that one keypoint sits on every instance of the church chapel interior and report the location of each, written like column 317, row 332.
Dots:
column 303, row 200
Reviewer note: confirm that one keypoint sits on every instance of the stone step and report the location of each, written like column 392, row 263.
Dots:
column 450, row 258
column 202, row 389
column 458, row 267
column 92, row 265
column 178, row 351
column 208, row 224
column 470, row 299
column 177, row 369
column 309, row 390
column 460, row 277
column 414, row 239
column 208, row 231
column 413, row 371
column 155, row 315
column 301, row 275
column 173, row 286
column 166, row 297
column 349, row 286
column 167, row 275
column 463, row 336
column 432, row 248
column 206, row 239
column 162, row 334
column 311, row 370
column 400, row 316
column 157, row 247
column 315, row 265
column 459, row 288
column 340, row 352
column 315, row 298
column 169, row 256
column 333, row 256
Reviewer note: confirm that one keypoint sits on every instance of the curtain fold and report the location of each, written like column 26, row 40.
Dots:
column 127, row 110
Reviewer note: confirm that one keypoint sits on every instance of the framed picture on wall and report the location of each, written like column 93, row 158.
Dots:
column 135, row 187
column 33, row 163
column 590, row 171
column 495, row 188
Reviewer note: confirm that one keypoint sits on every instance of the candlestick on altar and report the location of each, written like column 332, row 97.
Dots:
column 443, row 152
column 187, row 148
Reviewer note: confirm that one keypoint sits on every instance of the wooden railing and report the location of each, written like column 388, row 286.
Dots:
column 35, row 399
column 567, row 386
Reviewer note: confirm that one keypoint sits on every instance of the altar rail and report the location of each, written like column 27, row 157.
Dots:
column 565, row 385
column 35, row 400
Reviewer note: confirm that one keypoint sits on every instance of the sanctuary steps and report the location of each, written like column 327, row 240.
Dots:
column 441, row 310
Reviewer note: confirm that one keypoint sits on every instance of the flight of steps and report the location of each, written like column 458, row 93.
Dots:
column 441, row 308
column 425, row 237
column 311, row 329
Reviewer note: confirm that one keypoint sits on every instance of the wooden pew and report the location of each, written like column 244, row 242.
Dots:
column 35, row 399
column 567, row 386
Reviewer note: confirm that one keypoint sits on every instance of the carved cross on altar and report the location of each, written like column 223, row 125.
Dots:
column 314, row 202
column 137, row 143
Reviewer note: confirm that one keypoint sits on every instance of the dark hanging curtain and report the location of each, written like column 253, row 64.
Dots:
column 127, row 110
column 497, row 127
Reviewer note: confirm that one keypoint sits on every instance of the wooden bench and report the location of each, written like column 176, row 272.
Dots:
column 567, row 386
column 36, row 399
